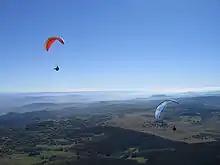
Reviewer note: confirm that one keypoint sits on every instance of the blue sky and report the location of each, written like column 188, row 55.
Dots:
column 111, row 44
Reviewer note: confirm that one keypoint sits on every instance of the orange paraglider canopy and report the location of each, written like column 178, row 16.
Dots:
column 51, row 40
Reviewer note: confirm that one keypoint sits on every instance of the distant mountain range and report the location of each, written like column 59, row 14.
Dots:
column 25, row 102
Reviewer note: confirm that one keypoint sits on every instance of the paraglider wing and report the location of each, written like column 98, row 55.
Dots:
column 51, row 40
column 162, row 106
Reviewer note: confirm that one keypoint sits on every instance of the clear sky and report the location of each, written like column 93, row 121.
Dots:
column 110, row 44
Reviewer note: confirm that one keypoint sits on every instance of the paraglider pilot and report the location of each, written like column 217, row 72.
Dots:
column 57, row 68
column 174, row 128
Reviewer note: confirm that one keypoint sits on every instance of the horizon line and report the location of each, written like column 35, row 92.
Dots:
column 153, row 91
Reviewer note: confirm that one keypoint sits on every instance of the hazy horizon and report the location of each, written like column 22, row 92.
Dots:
column 155, row 91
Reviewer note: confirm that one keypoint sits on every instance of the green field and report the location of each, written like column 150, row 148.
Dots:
column 57, row 153
column 140, row 160
column 19, row 159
